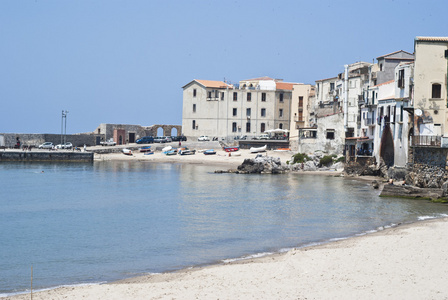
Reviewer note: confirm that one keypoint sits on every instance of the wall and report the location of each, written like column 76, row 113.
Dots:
column 48, row 156
column 35, row 139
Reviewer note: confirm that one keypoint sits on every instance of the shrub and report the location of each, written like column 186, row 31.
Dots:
column 340, row 159
column 326, row 160
column 300, row 158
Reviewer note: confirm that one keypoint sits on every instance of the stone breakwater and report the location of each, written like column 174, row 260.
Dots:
column 45, row 156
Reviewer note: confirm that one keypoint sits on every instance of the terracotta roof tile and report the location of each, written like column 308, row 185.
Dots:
column 384, row 83
column 284, row 85
column 213, row 84
column 432, row 38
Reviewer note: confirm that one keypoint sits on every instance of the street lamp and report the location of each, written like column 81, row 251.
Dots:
column 64, row 133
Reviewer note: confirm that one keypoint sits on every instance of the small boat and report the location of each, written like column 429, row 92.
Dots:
column 171, row 152
column 231, row 149
column 209, row 152
column 235, row 154
column 127, row 151
column 149, row 153
column 166, row 149
column 258, row 149
column 145, row 149
column 187, row 152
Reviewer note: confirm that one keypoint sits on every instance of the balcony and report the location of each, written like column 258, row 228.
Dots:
column 426, row 141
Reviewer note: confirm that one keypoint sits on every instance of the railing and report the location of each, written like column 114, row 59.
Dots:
column 426, row 140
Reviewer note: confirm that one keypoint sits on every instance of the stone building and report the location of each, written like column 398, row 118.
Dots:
column 223, row 110
column 302, row 97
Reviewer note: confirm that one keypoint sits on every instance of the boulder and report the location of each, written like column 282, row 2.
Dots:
column 262, row 165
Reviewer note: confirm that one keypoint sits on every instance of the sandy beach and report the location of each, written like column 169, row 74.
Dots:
column 405, row 262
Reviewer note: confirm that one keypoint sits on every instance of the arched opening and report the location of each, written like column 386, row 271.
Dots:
column 174, row 132
column 387, row 147
column 160, row 131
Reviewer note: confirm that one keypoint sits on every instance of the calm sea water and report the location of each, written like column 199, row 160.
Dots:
column 80, row 223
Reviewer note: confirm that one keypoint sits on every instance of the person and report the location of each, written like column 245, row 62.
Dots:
column 391, row 182
column 85, row 147
column 180, row 144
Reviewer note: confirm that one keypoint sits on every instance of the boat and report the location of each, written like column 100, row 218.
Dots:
column 148, row 153
column 258, row 149
column 166, row 149
column 171, row 152
column 231, row 149
column 235, row 154
column 187, row 152
column 282, row 150
column 127, row 151
column 209, row 152
column 145, row 149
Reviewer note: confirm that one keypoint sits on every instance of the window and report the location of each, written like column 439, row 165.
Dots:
column 194, row 108
column 222, row 95
column 248, row 127
column 248, row 111
column 234, row 127
column 331, row 86
column 235, row 112
column 194, row 92
column 263, row 112
column 280, row 125
column 216, row 94
column 263, row 127
column 281, row 97
column 280, row 113
column 330, row 134
column 235, row 96
column 263, row 97
column 209, row 95
column 436, row 90
column 194, row 124
column 300, row 101
column 249, row 96
column 300, row 115
column 401, row 79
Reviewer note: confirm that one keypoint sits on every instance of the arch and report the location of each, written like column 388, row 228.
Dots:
column 174, row 131
column 387, row 151
column 160, row 131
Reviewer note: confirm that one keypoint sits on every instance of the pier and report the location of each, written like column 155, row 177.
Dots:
column 45, row 156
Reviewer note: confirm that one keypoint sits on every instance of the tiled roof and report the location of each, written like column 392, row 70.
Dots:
column 284, row 85
column 432, row 38
column 213, row 84
column 326, row 79
column 384, row 83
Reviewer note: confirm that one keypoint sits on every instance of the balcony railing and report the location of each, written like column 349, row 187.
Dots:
column 426, row 140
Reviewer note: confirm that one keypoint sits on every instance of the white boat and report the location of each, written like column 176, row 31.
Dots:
column 258, row 149
column 234, row 153
column 166, row 149
column 127, row 151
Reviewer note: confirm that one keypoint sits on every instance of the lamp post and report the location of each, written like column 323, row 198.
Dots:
column 64, row 132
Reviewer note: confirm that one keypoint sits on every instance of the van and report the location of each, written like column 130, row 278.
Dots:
column 145, row 140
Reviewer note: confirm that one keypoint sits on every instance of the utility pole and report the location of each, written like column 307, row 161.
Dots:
column 64, row 133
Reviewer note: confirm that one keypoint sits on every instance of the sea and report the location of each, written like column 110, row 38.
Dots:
column 72, row 224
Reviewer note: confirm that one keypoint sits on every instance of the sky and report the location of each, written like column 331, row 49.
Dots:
column 125, row 62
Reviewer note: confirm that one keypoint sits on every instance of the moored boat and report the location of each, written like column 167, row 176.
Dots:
column 166, row 149
column 145, row 149
column 171, row 152
column 127, row 151
column 209, row 152
column 231, row 149
column 282, row 150
column 258, row 149
column 187, row 152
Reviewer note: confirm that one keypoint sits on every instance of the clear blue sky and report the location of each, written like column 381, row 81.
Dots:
column 126, row 61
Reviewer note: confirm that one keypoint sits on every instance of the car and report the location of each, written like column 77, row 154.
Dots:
column 145, row 140
column 203, row 138
column 67, row 145
column 263, row 137
column 46, row 145
column 179, row 138
column 167, row 139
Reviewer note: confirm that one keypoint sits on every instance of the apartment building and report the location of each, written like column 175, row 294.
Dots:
column 226, row 111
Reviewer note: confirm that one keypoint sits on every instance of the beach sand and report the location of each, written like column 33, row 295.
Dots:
column 405, row 262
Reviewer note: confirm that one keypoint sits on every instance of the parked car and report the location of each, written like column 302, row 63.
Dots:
column 46, row 145
column 162, row 139
column 263, row 136
column 167, row 139
column 178, row 138
column 145, row 140
column 109, row 142
column 67, row 145
column 203, row 138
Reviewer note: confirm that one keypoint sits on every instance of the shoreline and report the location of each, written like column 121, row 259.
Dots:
column 384, row 264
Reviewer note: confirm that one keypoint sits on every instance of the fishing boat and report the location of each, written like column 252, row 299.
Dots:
column 171, row 152
column 234, row 153
column 209, row 152
column 258, row 149
column 145, row 149
column 149, row 153
column 231, row 149
column 127, row 151
column 166, row 149
column 187, row 152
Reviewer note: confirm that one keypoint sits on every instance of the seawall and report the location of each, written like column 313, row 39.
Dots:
column 47, row 156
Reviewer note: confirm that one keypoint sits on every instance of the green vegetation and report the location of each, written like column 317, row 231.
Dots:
column 326, row 160
column 340, row 159
column 300, row 158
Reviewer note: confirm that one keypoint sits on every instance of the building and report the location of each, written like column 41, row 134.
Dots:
column 302, row 97
column 226, row 111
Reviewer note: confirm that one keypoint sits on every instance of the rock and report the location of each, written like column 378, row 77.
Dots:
column 262, row 165
column 375, row 184
column 411, row 192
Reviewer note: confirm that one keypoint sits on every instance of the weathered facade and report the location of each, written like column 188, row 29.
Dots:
column 219, row 109
column 302, row 95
